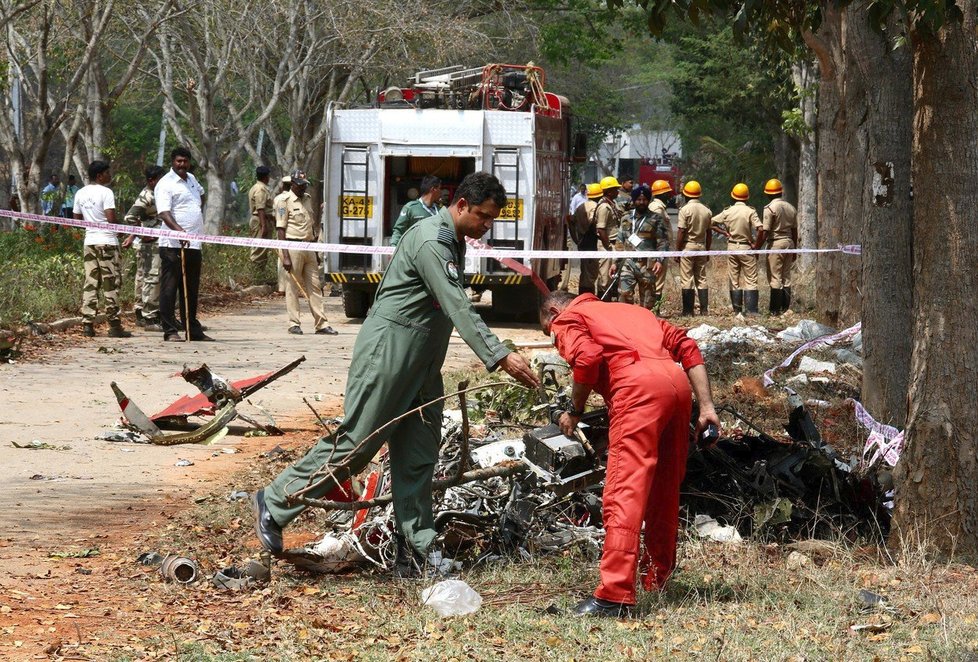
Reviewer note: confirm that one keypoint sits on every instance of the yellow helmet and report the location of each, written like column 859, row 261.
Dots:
column 609, row 182
column 773, row 187
column 661, row 186
column 594, row 190
column 692, row 189
column 740, row 192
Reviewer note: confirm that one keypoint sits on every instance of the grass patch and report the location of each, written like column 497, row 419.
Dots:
column 43, row 276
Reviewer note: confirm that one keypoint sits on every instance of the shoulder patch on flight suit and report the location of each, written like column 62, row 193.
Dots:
column 451, row 270
column 446, row 236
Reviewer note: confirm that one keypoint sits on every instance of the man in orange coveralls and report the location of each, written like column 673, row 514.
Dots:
column 629, row 356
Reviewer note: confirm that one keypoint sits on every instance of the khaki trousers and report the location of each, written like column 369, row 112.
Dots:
column 604, row 269
column 259, row 255
column 779, row 266
column 692, row 270
column 660, row 280
column 306, row 271
column 742, row 268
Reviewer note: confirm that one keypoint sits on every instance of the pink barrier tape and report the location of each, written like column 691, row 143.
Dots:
column 482, row 250
column 885, row 441
column 816, row 342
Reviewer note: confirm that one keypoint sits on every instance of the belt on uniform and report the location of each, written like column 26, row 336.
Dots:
column 294, row 239
column 741, row 243
column 627, row 358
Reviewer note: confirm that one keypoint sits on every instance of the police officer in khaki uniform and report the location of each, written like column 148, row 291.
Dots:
column 661, row 191
column 607, row 217
column 295, row 220
column 143, row 214
column 781, row 227
column 694, row 235
column 396, row 367
column 585, row 235
column 284, row 190
column 737, row 223
column 262, row 221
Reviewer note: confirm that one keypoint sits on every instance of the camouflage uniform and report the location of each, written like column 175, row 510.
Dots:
column 663, row 242
column 143, row 213
column 101, row 272
column 637, row 271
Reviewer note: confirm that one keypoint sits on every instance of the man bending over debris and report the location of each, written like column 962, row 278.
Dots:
column 396, row 367
column 629, row 356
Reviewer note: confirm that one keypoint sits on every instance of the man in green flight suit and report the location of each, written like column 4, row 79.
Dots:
column 424, row 206
column 396, row 367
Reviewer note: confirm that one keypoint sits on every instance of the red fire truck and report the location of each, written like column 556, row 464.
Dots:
column 450, row 122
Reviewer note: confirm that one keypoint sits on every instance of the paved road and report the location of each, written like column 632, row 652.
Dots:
column 66, row 400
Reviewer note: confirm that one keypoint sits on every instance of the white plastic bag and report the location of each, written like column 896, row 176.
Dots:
column 451, row 597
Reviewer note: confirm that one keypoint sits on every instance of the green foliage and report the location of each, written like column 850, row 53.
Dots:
column 730, row 101
column 42, row 277
column 604, row 62
column 43, row 274
column 132, row 146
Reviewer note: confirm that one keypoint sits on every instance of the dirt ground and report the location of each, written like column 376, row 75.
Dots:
column 88, row 494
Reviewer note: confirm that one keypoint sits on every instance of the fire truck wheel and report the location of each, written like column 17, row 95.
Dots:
column 356, row 301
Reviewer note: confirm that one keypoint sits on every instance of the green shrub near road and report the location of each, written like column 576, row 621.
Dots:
column 41, row 278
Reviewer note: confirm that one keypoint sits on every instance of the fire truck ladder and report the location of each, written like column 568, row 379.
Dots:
column 506, row 167
column 353, row 162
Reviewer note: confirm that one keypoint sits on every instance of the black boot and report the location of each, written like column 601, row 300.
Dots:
column 785, row 299
column 602, row 608
column 116, row 330
column 737, row 299
column 750, row 301
column 776, row 301
column 140, row 320
column 704, row 301
column 408, row 563
column 88, row 329
column 689, row 299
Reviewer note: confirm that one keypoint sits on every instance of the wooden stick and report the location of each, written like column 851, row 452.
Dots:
column 186, row 297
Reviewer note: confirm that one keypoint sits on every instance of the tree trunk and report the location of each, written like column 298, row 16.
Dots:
column 804, row 76
column 216, row 189
column 887, row 218
column 831, row 127
column 855, row 37
column 936, row 501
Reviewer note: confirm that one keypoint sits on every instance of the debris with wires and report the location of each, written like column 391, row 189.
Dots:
column 522, row 490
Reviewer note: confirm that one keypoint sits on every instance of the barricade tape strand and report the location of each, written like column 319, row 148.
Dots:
column 482, row 251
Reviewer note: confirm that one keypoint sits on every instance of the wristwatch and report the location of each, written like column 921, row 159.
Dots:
column 577, row 413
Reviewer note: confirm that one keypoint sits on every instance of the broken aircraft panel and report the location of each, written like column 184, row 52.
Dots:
column 217, row 399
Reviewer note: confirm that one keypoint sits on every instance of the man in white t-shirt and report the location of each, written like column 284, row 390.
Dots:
column 95, row 203
column 180, row 205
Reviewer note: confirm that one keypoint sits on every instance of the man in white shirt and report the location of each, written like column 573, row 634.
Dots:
column 180, row 205
column 578, row 199
column 95, row 203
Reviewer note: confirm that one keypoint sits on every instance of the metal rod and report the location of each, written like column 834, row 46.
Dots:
column 328, row 471
column 510, row 468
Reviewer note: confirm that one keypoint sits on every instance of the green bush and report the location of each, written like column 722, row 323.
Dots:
column 42, row 274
